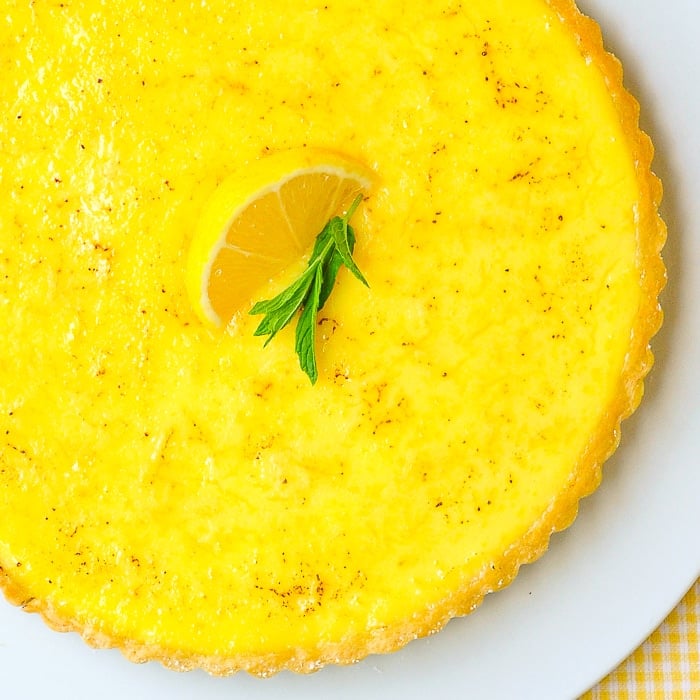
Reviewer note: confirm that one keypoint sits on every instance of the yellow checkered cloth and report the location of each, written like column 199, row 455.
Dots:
column 666, row 666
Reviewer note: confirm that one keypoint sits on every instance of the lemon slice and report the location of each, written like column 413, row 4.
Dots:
column 262, row 218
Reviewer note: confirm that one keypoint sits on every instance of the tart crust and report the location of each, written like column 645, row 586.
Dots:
column 584, row 479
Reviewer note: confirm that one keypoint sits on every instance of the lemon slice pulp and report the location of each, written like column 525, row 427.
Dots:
column 260, row 219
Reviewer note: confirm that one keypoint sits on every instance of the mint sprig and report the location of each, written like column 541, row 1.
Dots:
column 310, row 291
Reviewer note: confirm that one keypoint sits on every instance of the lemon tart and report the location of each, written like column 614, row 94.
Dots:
column 171, row 487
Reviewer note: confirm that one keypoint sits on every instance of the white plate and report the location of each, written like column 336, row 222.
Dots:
column 606, row 582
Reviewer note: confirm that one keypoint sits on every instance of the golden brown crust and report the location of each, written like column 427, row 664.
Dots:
column 562, row 511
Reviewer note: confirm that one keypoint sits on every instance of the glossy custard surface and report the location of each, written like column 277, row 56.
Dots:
column 181, row 487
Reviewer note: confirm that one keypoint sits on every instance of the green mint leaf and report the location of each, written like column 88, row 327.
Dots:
column 341, row 238
column 305, row 341
column 330, row 271
column 286, row 297
column 322, row 240
column 280, row 310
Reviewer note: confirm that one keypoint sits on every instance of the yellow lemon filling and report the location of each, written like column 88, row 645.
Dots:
column 183, row 493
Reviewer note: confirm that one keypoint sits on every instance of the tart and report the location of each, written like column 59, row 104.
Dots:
column 183, row 494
